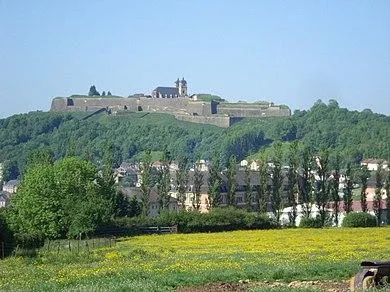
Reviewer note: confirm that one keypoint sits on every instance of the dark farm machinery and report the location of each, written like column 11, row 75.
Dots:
column 374, row 274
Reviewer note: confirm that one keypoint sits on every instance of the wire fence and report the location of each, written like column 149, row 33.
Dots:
column 58, row 246
column 106, row 239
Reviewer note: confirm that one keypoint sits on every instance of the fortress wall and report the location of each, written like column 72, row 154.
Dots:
column 170, row 105
column 58, row 104
column 253, row 112
column 223, row 122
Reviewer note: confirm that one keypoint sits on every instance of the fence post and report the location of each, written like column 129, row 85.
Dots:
column 69, row 246
column 58, row 246
column 2, row 249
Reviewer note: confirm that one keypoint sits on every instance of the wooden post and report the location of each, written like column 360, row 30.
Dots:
column 2, row 250
column 69, row 246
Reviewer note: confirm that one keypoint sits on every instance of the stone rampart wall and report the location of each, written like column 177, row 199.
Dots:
column 235, row 110
column 170, row 105
column 224, row 122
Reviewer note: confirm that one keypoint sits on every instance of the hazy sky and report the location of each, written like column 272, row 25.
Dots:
column 289, row 52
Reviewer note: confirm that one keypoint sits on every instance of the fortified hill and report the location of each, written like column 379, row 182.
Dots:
column 175, row 101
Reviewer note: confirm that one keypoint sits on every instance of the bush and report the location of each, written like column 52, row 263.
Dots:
column 311, row 222
column 359, row 219
column 219, row 219
column 6, row 235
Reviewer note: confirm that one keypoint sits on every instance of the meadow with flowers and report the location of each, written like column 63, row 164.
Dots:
column 166, row 262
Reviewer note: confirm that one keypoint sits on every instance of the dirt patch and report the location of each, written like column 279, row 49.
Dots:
column 245, row 285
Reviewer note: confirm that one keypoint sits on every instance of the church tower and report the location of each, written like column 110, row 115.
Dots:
column 182, row 86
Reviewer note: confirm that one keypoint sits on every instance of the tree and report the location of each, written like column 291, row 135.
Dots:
column 106, row 181
column 231, row 181
column 103, row 93
column 387, row 190
column 164, row 183
column 36, row 209
column 377, row 203
column 248, row 189
column 347, row 190
column 197, row 188
column 135, row 207
column 214, row 183
column 262, row 189
column 276, row 182
column 60, row 199
column 334, row 189
column 364, row 175
column 292, row 182
column 304, row 187
column 40, row 156
column 146, row 166
column 181, row 182
column 10, row 170
column 93, row 91
column 322, row 189
column 109, row 93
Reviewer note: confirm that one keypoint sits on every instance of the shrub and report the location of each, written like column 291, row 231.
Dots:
column 311, row 222
column 218, row 219
column 359, row 219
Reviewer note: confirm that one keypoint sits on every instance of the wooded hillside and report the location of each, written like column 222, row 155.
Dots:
column 354, row 135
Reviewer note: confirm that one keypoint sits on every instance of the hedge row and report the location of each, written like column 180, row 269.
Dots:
column 219, row 219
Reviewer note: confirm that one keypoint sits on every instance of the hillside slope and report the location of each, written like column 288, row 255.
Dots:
column 353, row 134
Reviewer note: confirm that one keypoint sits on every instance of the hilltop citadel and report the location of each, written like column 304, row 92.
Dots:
column 175, row 101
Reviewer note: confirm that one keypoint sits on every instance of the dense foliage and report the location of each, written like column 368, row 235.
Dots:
column 6, row 235
column 354, row 135
column 67, row 198
column 218, row 219
column 359, row 219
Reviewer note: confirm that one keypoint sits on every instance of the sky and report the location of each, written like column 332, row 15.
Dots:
column 287, row 52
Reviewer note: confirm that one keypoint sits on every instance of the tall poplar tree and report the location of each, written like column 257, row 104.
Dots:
column 146, row 165
column 197, row 188
column 214, row 183
column 364, row 175
column 292, row 182
column 276, row 182
column 181, row 182
column 377, row 203
column 248, row 189
column 231, row 181
column 262, row 189
column 305, row 184
column 322, row 190
column 347, row 190
column 334, row 189
column 164, row 183
column 387, row 190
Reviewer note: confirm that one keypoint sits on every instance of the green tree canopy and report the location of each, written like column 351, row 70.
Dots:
column 60, row 199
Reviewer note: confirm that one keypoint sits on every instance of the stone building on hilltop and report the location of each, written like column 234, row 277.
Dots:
column 180, row 90
column 174, row 101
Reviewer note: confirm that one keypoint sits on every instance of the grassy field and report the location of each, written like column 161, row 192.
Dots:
column 165, row 262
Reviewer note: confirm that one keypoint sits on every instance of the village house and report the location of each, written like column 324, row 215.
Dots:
column 4, row 199
column 373, row 164
column 11, row 186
